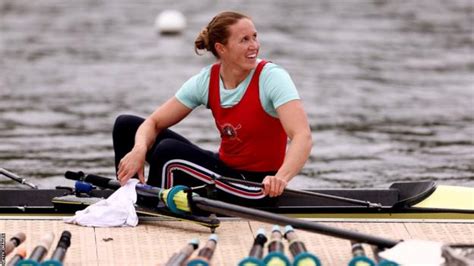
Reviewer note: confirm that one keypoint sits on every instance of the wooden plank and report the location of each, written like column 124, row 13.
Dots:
column 154, row 242
column 442, row 232
column 235, row 241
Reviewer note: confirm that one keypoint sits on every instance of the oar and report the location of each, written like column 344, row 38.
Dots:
column 178, row 259
column 303, row 192
column 180, row 202
column 20, row 255
column 276, row 249
column 395, row 250
column 205, row 254
column 14, row 242
column 301, row 256
column 104, row 182
column 17, row 178
column 359, row 258
column 181, row 199
column 60, row 252
column 255, row 257
column 151, row 200
column 39, row 251
column 229, row 209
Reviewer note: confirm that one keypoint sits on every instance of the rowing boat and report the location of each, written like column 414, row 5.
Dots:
column 401, row 200
column 409, row 198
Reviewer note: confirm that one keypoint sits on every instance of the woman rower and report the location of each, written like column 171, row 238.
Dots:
column 256, row 108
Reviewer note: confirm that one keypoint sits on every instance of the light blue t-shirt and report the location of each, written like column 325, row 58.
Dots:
column 276, row 89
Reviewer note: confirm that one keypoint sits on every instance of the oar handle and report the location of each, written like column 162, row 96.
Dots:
column 99, row 181
column 105, row 182
column 303, row 192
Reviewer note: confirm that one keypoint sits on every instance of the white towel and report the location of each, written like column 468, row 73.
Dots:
column 117, row 210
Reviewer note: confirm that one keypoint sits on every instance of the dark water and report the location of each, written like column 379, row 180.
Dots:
column 388, row 85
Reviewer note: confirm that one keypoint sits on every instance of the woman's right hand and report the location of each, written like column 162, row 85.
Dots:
column 132, row 163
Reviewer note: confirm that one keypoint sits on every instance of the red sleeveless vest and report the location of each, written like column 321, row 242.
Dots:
column 251, row 140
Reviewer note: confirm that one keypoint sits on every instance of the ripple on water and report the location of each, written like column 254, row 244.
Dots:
column 387, row 84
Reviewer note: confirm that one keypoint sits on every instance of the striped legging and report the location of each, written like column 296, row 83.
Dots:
column 174, row 160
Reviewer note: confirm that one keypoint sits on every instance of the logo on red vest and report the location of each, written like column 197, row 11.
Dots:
column 230, row 131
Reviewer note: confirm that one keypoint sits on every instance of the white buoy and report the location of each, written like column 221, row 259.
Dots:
column 170, row 22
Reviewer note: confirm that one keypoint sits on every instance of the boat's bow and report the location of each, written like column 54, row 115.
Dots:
column 449, row 197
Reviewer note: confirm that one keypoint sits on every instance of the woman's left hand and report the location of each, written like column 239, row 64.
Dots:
column 273, row 186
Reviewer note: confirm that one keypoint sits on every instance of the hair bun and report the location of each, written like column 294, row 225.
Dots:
column 202, row 41
column 205, row 37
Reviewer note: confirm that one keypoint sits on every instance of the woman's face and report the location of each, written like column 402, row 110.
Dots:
column 242, row 46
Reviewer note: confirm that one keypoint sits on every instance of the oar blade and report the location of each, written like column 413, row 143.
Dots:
column 415, row 252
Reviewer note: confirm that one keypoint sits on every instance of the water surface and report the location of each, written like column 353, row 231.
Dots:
column 387, row 85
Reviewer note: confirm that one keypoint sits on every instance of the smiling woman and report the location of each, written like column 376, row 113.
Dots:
column 236, row 43
column 256, row 109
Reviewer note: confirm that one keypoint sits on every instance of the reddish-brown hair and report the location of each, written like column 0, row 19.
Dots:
column 217, row 31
